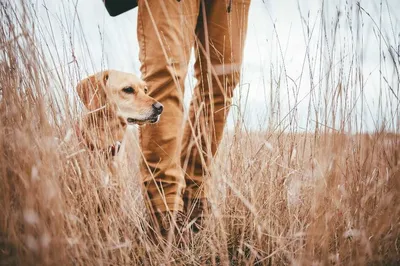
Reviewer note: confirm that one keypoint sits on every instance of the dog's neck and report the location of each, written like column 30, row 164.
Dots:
column 102, row 128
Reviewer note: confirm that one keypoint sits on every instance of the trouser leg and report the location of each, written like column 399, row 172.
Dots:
column 219, row 49
column 166, row 34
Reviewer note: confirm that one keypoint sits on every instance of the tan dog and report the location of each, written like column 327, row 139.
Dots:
column 114, row 100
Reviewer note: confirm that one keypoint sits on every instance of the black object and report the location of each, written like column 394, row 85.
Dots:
column 117, row 7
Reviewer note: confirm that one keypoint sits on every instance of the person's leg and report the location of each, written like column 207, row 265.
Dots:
column 166, row 32
column 221, row 33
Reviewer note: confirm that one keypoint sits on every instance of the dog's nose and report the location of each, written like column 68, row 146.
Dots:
column 158, row 107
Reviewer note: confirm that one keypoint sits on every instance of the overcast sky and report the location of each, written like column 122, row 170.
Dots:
column 284, row 49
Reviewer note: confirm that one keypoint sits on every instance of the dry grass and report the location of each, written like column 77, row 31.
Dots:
column 278, row 198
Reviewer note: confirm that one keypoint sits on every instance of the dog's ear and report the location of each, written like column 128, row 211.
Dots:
column 92, row 90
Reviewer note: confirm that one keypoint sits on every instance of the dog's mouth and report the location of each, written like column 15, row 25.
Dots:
column 150, row 120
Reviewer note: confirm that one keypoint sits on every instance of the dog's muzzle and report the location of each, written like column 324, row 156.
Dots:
column 153, row 118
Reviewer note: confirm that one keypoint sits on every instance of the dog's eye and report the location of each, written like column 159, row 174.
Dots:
column 128, row 90
column 146, row 90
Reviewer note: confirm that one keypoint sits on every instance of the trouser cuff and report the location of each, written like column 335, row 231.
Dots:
column 170, row 203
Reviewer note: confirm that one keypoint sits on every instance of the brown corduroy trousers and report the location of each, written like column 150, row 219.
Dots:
column 177, row 153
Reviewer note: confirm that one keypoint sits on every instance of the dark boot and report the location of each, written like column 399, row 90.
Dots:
column 197, row 210
column 171, row 227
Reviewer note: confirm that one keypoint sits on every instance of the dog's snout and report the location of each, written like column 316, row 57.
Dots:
column 158, row 107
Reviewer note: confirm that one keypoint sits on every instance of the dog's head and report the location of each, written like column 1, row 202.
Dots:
column 124, row 93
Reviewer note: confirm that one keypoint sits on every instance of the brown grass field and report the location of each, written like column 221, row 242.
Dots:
column 278, row 197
